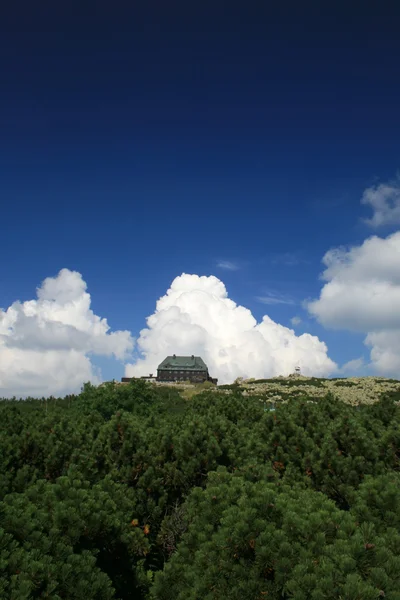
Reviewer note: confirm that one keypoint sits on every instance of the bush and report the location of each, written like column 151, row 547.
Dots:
column 136, row 492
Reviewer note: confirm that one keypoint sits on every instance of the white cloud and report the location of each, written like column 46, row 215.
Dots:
column 295, row 321
column 362, row 294
column 228, row 265
column 196, row 316
column 385, row 351
column 384, row 199
column 274, row 298
column 45, row 343
column 353, row 366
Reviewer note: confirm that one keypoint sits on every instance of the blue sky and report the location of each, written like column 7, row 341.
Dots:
column 137, row 146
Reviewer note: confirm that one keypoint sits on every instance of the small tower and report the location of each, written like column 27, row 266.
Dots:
column 297, row 371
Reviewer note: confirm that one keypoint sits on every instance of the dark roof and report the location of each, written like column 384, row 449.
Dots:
column 182, row 363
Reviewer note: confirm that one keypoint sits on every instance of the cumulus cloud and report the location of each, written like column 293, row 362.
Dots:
column 352, row 366
column 196, row 316
column 45, row 343
column 362, row 293
column 384, row 199
column 385, row 351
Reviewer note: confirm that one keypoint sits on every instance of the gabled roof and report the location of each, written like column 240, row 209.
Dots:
column 182, row 363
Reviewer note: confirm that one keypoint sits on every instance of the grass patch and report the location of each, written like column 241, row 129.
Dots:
column 229, row 386
column 314, row 381
column 188, row 393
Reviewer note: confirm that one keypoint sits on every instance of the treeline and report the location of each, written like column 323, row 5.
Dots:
column 133, row 492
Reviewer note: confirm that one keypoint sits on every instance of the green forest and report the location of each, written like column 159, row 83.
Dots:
column 136, row 491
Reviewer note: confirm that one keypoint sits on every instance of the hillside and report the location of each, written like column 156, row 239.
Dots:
column 137, row 491
column 353, row 390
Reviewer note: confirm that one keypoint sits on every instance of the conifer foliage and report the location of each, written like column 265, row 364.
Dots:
column 132, row 491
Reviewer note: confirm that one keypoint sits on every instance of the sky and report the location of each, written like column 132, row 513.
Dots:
column 197, row 179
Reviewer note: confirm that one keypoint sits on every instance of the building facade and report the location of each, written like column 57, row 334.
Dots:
column 183, row 368
column 150, row 378
column 179, row 368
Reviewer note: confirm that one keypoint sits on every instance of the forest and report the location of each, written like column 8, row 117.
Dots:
column 135, row 491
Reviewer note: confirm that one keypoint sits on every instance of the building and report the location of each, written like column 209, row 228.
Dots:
column 178, row 368
column 184, row 368
column 150, row 378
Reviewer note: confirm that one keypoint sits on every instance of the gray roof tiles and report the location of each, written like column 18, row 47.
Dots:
column 182, row 363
